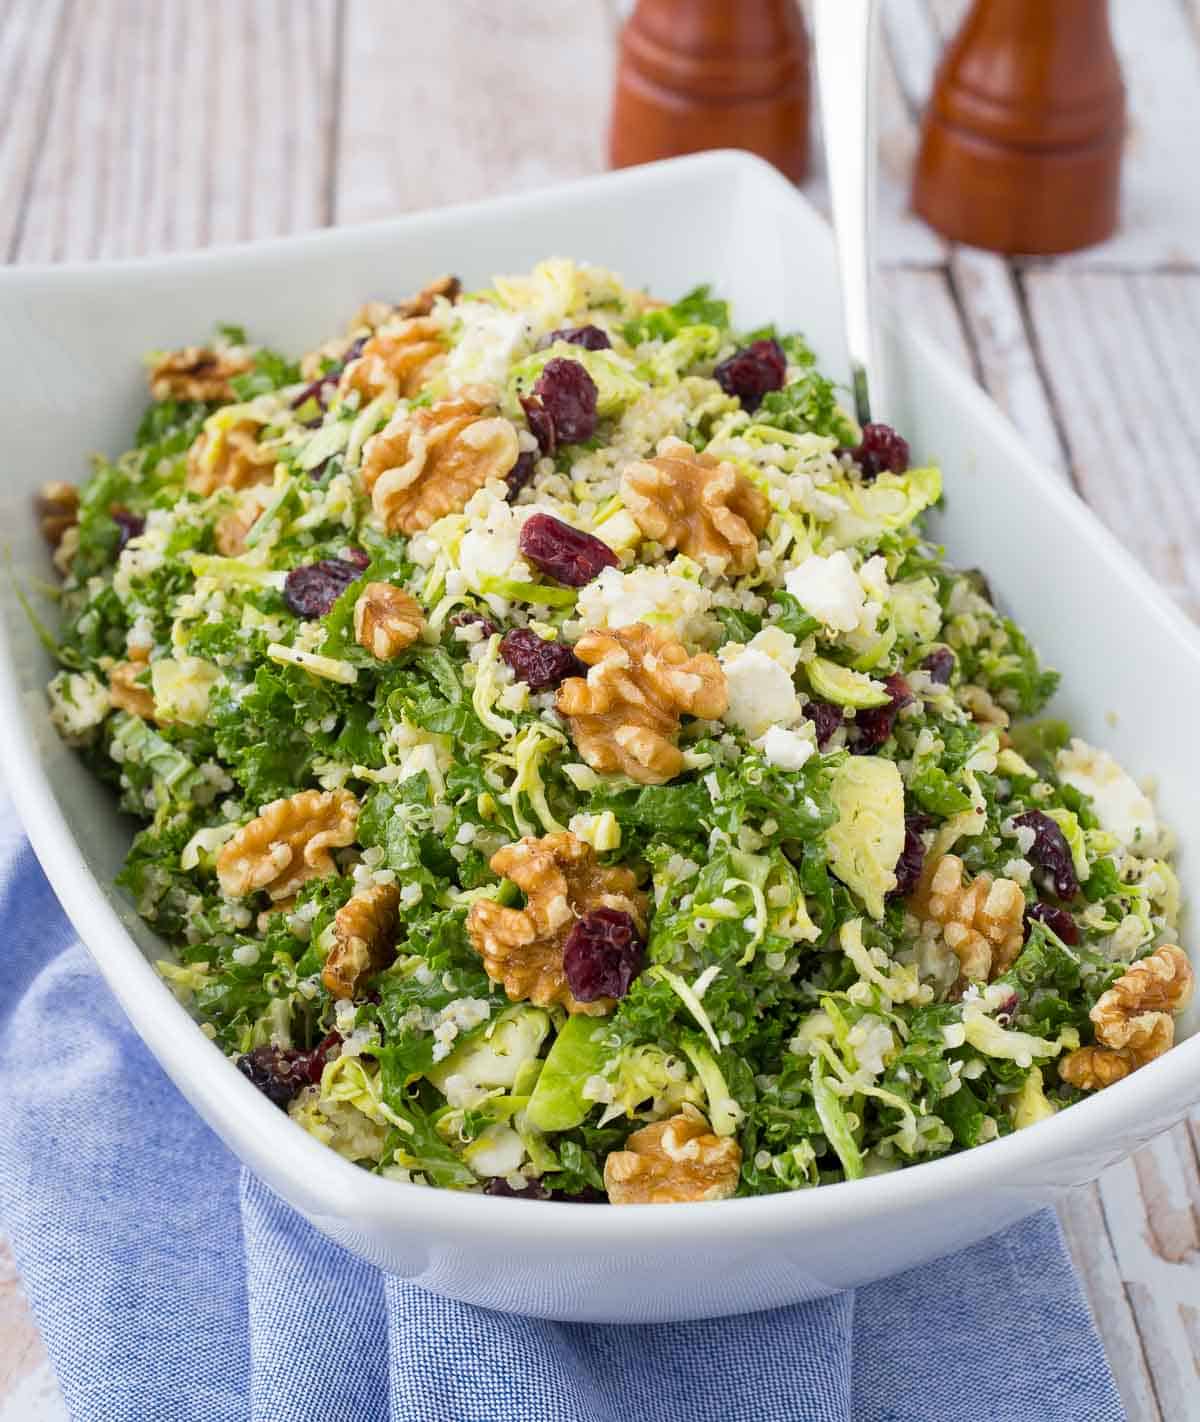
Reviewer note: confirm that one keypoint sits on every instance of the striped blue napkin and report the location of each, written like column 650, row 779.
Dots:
column 169, row 1284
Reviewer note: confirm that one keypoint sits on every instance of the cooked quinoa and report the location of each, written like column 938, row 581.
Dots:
column 564, row 768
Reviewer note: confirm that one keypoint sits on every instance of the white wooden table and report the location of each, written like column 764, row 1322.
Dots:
column 153, row 125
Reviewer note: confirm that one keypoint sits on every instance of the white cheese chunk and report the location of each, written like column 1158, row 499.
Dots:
column 1121, row 806
column 785, row 749
column 829, row 589
column 761, row 693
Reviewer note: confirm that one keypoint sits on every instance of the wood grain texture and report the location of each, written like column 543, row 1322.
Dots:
column 30, row 32
column 174, row 126
column 446, row 103
column 1107, row 340
column 1158, row 42
column 148, row 126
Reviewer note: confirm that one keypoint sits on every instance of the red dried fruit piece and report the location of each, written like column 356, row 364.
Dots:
column 537, row 662
column 311, row 589
column 940, row 665
column 520, row 474
column 566, row 554
column 541, row 426
column 467, row 618
column 1050, row 851
column 912, row 856
column 129, row 525
column 880, row 448
column 870, row 728
column 1057, row 920
column 280, row 1073
column 590, row 337
column 319, row 389
column 826, row 718
column 533, row 1189
column 1007, row 1010
column 326, row 1051
column 753, row 372
column 569, row 395
column 358, row 556
column 603, row 954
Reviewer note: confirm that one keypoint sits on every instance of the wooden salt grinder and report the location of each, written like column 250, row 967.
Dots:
column 697, row 74
column 1021, row 143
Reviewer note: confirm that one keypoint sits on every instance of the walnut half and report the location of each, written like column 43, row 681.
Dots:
column 387, row 620
column 1134, row 1020
column 427, row 463
column 982, row 922
column 198, row 373
column 625, row 715
column 232, row 458
column 364, row 932
column 523, row 947
column 127, row 693
column 288, row 844
column 703, row 506
column 57, row 509
column 398, row 360
column 673, row 1161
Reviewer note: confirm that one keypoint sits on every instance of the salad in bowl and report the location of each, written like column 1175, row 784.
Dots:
column 567, row 770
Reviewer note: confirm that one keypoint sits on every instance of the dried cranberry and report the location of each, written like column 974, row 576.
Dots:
column 569, row 396
column 326, row 1051
column 591, row 338
column 1050, row 851
column 318, row 389
column 589, row 1195
column 602, row 955
column 872, row 727
column 753, row 371
column 826, row 718
column 468, row 618
column 940, row 665
column 1057, row 920
column 533, row 1190
column 881, row 448
column 541, row 426
column 1007, row 1010
column 520, row 474
column 358, row 556
column 912, row 856
column 538, row 663
column 129, row 525
column 311, row 589
column 280, row 1073
column 563, row 553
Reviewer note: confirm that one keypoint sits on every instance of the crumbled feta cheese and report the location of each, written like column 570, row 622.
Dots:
column 786, row 749
column 490, row 548
column 79, row 701
column 1121, row 806
column 829, row 588
column 779, row 645
column 761, row 693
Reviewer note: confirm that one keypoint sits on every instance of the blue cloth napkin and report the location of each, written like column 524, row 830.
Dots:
column 170, row 1284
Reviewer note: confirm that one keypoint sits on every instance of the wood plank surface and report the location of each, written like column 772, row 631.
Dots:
column 150, row 126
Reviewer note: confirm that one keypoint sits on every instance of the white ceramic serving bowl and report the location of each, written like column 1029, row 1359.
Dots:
column 70, row 369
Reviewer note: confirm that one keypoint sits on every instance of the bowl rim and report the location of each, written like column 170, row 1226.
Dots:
column 334, row 1188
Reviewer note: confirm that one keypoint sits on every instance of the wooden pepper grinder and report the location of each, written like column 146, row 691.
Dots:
column 696, row 74
column 1021, row 144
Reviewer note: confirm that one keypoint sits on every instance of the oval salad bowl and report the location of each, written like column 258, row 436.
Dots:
column 1129, row 662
